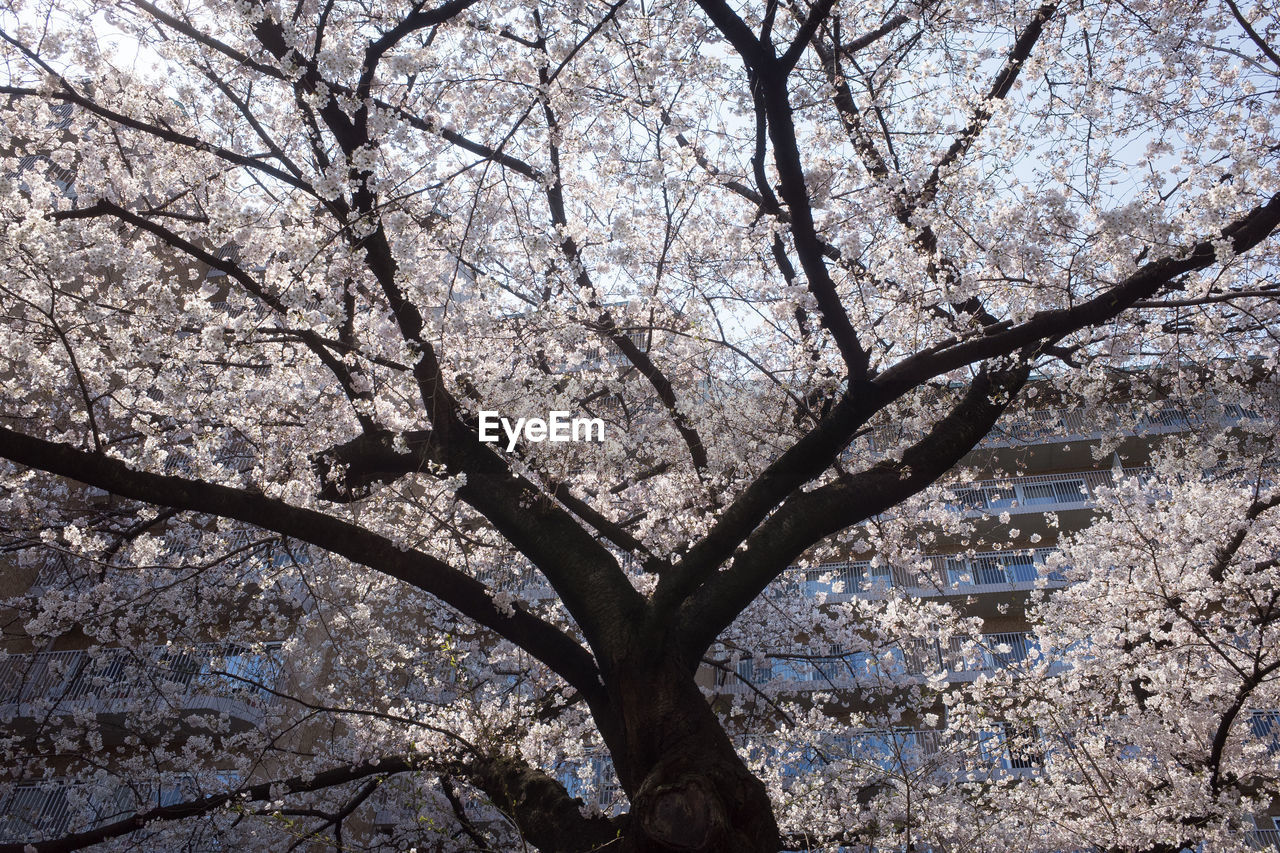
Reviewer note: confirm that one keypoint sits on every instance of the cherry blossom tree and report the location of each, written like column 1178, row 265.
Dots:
column 266, row 266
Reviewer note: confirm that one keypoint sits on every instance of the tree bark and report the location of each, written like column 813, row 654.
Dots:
column 689, row 789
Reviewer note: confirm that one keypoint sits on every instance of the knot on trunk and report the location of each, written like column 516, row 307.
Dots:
column 680, row 811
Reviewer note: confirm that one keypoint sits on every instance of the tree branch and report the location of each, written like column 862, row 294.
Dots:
column 460, row 591
column 806, row 518
column 336, row 366
column 1267, row 49
column 1241, row 235
column 413, row 22
column 773, row 93
column 1000, row 87
column 604, row 325
column 263, row 791
column 70, row 96
column 541, row 808
column 807, row 28
column 581, row 570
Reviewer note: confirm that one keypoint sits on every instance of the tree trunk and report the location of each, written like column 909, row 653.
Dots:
column 689, row 789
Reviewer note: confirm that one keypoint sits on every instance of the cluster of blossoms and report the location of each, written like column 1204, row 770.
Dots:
column 826, row 278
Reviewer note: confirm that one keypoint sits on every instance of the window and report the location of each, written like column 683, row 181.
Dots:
column 1265, row 727
column 1021, row 568
column 875, row 748
column 958, row 573
column 755, row 673
column 989, row 570
column 34, row 811
column 1056, row 492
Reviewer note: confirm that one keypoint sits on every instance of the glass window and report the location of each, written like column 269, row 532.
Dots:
column 958, row 573
column 1038, row 493
column 989, row 570
column 1021, row 568
column 1265, row 726
column 1070, row 491
column 999, row 497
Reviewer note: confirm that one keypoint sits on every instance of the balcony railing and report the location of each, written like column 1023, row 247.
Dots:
column 994, row 652
column 593, row 779
column 1053, row 425
column 1038, row 493
column 516, row 575
column 37, row 811
column 259, row 558
column 943, row 574
column 910, row 748
column 900, row 750
column 219, row 677
column 960, row 660
column 1263, row 839
column 1264, row 727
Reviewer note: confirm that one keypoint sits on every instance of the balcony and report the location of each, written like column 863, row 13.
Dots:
column 1038, row 427
column 261, row 560
column 944, row 574
column 951, row 753
column 593, row 780
column 36, row 811
column 1036, row 494
column 514, row 574
column 963, row 659
column 1262, row 839
column 994, row 652
column 1264, row 728
column 1055, row 425
column 209, row 678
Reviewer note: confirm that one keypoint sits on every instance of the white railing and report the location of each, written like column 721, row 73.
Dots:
column 1263, row 839
column 994, row 652
column 942, row 574
column 907, row 749
column 1264, row 727
column 593, row 779
column 517, row 575
column 115, row 679
column 1042, row 426
column 960, row 660
column 259, row 558
column 1037, row 493
column 900, row 750
column 958, row 572
column 36, row 811
column 1034, row 427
